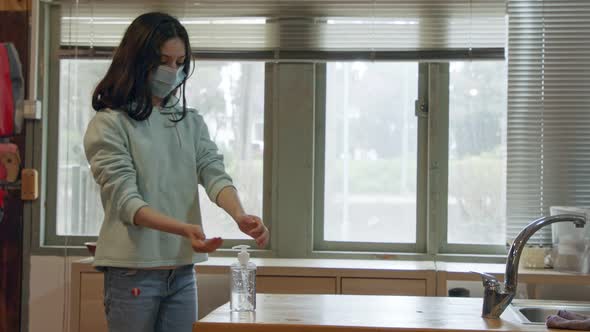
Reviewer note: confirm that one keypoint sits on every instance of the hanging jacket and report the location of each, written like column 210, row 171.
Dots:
column 6, row 97
column 11, row 91
column 18, row 86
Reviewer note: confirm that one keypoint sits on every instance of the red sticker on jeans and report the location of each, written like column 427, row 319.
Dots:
column 135, row 291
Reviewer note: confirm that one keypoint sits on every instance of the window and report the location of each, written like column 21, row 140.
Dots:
column 370, row 152
column 230, row 97
column 78, row 207
column 372, row 145
column 477, row 153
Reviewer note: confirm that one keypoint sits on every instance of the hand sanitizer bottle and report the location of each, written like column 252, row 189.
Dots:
column 243, row 282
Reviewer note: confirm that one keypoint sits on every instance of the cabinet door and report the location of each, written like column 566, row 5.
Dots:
column 92, row 317
column 376, row 286
column 295, row 285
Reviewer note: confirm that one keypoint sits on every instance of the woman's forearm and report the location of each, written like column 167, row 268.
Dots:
column 149, row 217
column 229, row 201
column 249, row 224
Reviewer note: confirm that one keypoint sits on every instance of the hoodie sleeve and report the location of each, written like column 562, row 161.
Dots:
column 107, row 151
column 210, row 167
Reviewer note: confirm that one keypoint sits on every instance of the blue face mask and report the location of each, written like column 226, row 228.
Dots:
column 165, row 79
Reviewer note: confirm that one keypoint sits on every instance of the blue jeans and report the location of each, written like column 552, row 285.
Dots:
column 150, row 300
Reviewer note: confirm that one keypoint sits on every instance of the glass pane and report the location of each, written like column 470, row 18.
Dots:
column 79, row 210
column 370, row 153
column 477, row 153
column 229, row 95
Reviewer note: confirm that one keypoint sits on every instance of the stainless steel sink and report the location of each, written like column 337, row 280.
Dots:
column 537, row 313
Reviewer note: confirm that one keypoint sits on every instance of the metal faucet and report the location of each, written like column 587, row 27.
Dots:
column 497, row 296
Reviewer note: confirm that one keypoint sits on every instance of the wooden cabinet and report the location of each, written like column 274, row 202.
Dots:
column 91, row 303
column 86, row 300
column 382, row 286
column 295, row 285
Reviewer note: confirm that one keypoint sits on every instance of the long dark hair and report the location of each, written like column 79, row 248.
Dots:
column 125, row 85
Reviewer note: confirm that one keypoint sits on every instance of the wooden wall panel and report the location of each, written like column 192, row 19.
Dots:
column 15, row 5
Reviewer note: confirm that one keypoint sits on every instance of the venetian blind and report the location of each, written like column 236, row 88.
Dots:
column 460, row 26
column 548, row 109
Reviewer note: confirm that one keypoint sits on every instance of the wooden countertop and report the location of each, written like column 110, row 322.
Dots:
column 362, row 313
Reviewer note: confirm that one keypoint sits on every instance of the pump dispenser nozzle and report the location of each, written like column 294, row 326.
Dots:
column 243, row 255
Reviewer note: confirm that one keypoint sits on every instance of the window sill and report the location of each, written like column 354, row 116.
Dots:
column 315, row 255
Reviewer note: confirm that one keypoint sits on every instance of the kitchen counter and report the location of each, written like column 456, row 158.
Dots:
column 362, row 313
column 531, row 277
column 316, row 276
column 461, row 271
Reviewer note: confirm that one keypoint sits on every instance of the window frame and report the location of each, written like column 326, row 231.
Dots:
column 432, row 112
column 439, row 84
column 320, row 132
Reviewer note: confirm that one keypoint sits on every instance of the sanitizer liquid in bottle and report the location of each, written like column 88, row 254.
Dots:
column 243, row 282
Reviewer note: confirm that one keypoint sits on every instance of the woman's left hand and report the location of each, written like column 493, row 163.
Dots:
column 254, row 227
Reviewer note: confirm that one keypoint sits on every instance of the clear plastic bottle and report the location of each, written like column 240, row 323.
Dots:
column 243, row 282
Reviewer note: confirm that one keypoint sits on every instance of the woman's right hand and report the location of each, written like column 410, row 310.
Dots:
column 198, row 241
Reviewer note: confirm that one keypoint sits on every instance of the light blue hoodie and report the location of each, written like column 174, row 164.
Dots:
column 154, row 162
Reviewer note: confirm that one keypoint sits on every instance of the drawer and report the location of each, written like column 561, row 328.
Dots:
column 295, row 285
column 382, row 286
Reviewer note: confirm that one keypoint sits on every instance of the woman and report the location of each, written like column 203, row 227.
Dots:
column 148, row 152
